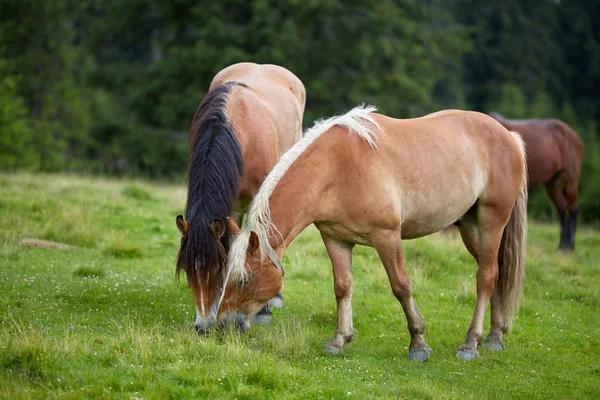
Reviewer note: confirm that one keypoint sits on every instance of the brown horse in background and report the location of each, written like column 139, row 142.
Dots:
column 364, row 178
column 554, row 154
column 251, row 115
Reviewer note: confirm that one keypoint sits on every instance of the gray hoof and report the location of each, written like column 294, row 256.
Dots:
column 330, row 349
column 263, row 319
column 241, row 324
column 492, row 346
column 467, row 355
column 276, row 302
column 419, row 355
column 264, row 316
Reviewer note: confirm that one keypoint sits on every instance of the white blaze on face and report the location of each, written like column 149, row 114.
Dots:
column 198, row 316
column 202, row 301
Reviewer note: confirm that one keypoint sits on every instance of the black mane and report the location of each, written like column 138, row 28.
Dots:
column 215, row 174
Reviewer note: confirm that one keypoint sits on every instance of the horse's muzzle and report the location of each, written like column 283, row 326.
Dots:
column 204, row 327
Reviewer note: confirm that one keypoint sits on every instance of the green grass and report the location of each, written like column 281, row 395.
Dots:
column 107, row 318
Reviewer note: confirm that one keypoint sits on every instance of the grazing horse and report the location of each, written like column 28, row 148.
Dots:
column 364, row 178
column 251, row 115
column 554, row 153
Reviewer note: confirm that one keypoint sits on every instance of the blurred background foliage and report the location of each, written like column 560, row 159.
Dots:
column 110, row 86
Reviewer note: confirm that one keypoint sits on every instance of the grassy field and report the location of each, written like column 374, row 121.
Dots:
column 106, row 318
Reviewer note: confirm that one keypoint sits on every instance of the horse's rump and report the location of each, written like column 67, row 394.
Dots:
column 553, row 148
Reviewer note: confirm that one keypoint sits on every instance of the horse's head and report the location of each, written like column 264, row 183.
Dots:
column 221, row 296
column 254, row 274
column 202, row 256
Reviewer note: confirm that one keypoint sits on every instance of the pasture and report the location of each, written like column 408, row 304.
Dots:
column 106, row 318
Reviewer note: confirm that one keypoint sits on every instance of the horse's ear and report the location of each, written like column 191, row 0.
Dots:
column 182, row 225
column 218, row 228
column 233, row 227
column 253, row 243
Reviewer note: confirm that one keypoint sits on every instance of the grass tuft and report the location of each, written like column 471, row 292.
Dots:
column 123, row 250
column 136, row 192
column 89, row 272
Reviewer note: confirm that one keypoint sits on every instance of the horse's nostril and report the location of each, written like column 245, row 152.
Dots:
column 203, row 327
column 202, row 331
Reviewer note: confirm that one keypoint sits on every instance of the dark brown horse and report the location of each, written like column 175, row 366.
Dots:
column 554, row 153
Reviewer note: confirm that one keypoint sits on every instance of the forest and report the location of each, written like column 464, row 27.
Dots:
column 109, row 87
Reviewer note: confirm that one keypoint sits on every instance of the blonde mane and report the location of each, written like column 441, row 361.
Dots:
column 358, row 120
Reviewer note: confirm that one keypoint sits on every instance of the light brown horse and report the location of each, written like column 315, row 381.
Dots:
column 251, row 115
column 364, row 178
column 554, row 154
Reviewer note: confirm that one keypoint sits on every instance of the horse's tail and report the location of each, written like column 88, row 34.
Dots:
column 511, row 257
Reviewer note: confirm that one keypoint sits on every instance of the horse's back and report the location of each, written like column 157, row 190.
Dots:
column 266, row 112
column 552, row 148
column 427, row 172
column 263, row 77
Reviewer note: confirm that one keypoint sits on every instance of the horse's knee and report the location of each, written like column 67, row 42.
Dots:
column 573, row 205
column 401, row 289
column 342, row 287
column 486, row 279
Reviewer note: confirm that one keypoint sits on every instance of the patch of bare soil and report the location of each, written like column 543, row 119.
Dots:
column 44, row 244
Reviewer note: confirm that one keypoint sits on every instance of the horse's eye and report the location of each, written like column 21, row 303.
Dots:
column 246, row 281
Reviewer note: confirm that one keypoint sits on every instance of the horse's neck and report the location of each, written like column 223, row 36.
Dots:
column 293, row 207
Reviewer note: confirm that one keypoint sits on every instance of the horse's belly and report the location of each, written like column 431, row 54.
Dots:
column 434, row 215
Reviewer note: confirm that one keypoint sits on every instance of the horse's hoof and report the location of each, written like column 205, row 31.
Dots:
column 419, row 355
column 263, row 319
column 492, row 346
column 264, row 316
column 467, row 355
column 332, row 349
column 276, row 302
column 565, row 248
column 242, row 324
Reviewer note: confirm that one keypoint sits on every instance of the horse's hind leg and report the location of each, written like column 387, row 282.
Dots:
column 572, row 196
column 555, row 190
column 483, row 242
column 389, row 248
column 470, row 236
column 340, row 254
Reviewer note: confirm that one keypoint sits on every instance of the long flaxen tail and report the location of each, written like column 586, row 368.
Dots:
column 513, row 250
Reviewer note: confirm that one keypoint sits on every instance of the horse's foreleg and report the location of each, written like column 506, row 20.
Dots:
column 389, row 248
column 340, row 254
column 490, row 227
